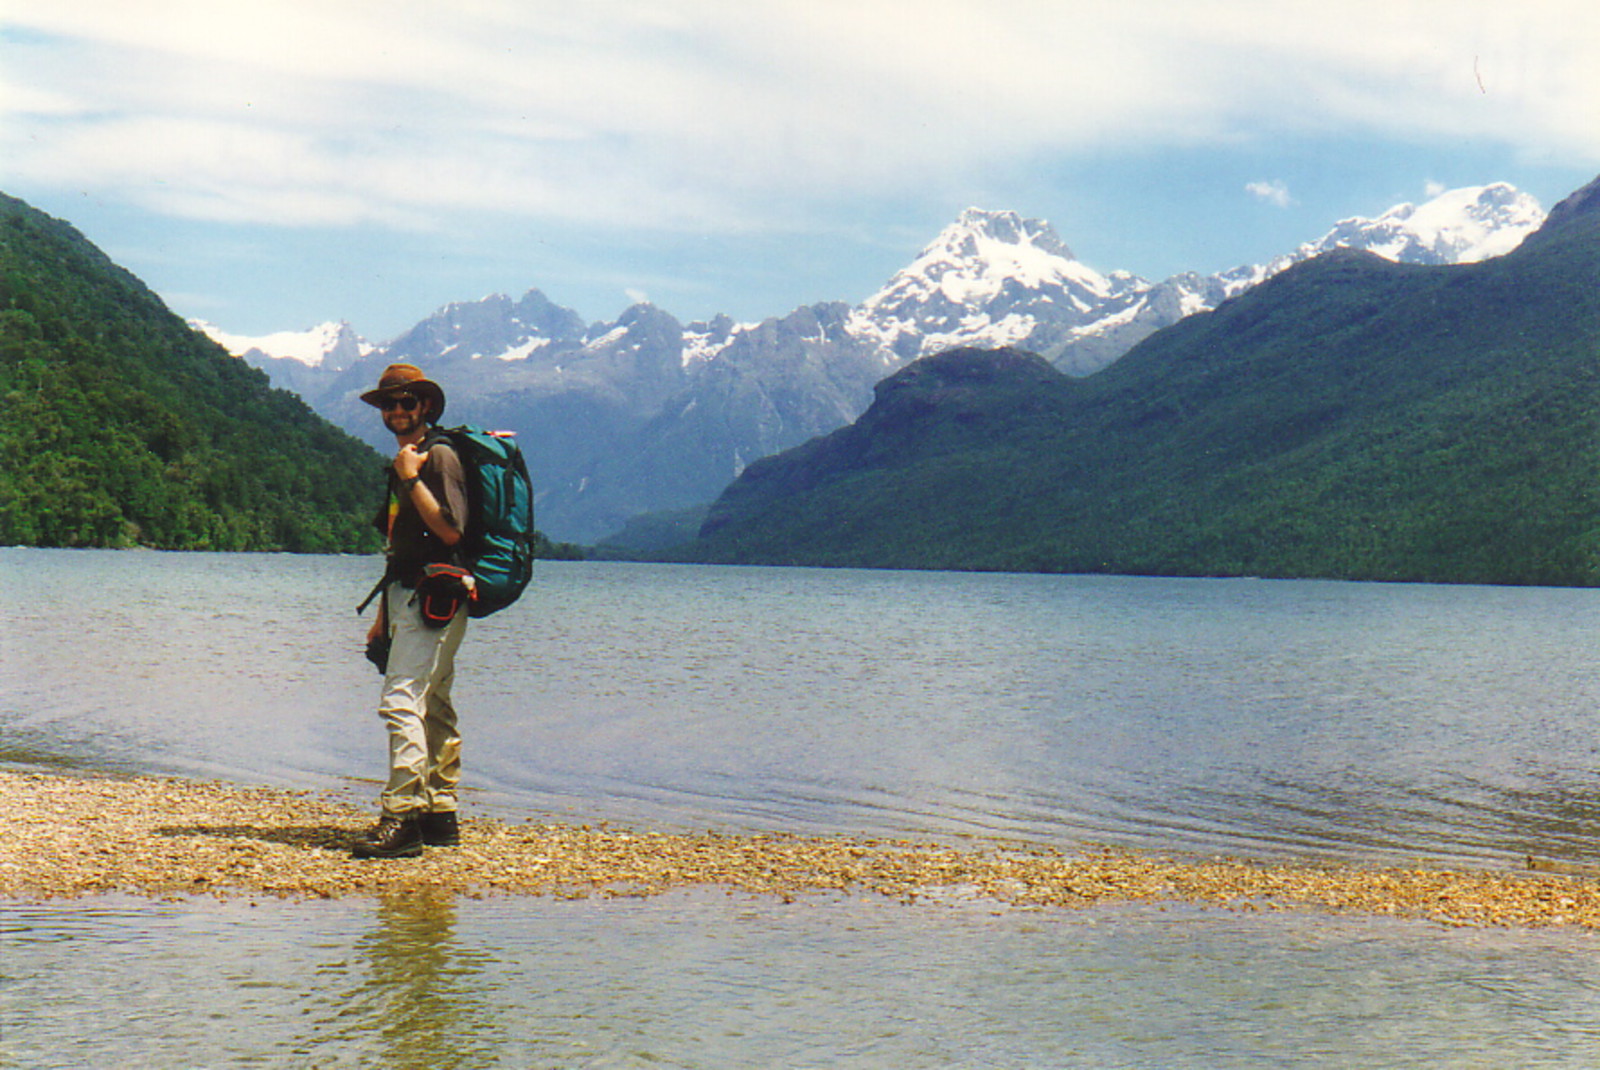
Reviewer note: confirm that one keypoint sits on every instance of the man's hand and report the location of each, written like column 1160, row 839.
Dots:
column 409, row 461
column 408, row 465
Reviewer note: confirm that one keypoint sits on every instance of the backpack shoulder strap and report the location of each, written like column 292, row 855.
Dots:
column 437, row 435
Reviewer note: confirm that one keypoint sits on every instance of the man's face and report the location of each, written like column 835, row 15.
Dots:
column 404, row 413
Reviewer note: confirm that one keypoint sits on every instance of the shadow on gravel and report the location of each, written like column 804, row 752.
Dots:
column 305, row 836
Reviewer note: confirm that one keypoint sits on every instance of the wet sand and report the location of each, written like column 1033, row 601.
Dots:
column 63, row 835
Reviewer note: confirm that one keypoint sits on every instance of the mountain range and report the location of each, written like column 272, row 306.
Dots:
column 647, row 414
column 1352, row 417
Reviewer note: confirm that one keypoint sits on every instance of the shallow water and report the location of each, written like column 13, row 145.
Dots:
column 710, row 981
column 1359, row 722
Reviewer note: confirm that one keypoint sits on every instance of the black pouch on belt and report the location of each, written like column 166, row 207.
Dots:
column 441, row 591
column 378, row 652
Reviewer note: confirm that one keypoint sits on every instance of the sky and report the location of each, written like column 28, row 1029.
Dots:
column 269, row 166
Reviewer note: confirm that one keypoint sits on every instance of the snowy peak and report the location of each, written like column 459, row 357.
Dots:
column 977, row 233
column 989, row 278
column 495, row 326
column 982, row 252
column 1460, row 226
column 331, row 346
column 998, row 279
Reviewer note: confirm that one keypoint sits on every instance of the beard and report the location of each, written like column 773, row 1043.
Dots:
column 401, row 423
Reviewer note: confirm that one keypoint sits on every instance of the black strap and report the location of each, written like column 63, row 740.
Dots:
column 377, row 588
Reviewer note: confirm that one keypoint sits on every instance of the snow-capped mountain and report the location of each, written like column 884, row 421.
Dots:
column 996, row 279
column 301, row 361
column 988, row 279
column 495, row 327
column 647, row 414
column 329, row 346
column 1461, row 226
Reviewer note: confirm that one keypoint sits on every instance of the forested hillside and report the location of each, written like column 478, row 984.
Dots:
column 1351, row 418
column 120, row 426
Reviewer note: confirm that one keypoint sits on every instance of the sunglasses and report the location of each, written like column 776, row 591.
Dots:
column 399, row 401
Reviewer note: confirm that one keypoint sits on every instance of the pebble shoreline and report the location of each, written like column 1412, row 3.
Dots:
column 67, row 836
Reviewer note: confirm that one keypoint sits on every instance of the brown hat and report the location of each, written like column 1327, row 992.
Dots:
column 406, row 379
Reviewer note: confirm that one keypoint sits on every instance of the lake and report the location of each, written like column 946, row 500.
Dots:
column 1351, row 722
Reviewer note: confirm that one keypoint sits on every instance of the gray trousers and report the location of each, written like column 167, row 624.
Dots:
column 424, row 743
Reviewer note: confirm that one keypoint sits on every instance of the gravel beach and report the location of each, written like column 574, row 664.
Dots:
column 65, row 835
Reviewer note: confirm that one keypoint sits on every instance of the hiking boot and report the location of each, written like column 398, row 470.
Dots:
column 391, row 837
column 441, row 829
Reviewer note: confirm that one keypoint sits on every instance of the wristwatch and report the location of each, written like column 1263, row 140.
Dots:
column 407, row 484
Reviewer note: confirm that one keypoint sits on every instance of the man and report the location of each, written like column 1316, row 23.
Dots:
column 424, row 520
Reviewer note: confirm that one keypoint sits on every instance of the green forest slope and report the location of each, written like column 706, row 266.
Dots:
column 121, row 426
column 1351, row 418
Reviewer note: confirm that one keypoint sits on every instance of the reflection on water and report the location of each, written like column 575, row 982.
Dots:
column 710, row 981
column 409, row 994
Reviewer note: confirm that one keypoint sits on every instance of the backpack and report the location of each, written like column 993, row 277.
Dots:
column 499, row 540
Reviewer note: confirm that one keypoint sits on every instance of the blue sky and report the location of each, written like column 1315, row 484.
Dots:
column 270, row 166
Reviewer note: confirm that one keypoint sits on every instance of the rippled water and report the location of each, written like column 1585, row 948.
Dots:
column 701, row 980
column 1361, row 722
column 1261, row 717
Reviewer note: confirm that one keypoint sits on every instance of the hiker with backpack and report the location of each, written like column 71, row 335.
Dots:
column 425, row 519
column 460, row 543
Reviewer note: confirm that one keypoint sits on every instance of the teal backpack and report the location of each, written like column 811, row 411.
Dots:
column 499, row 541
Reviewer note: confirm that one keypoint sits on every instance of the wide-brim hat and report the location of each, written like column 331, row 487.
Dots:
column 405, row 379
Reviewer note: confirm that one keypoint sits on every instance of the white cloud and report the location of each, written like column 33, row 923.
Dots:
column 1274, row 192
column 702, row 113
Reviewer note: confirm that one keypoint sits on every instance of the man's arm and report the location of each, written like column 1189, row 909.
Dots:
column 408, row 466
